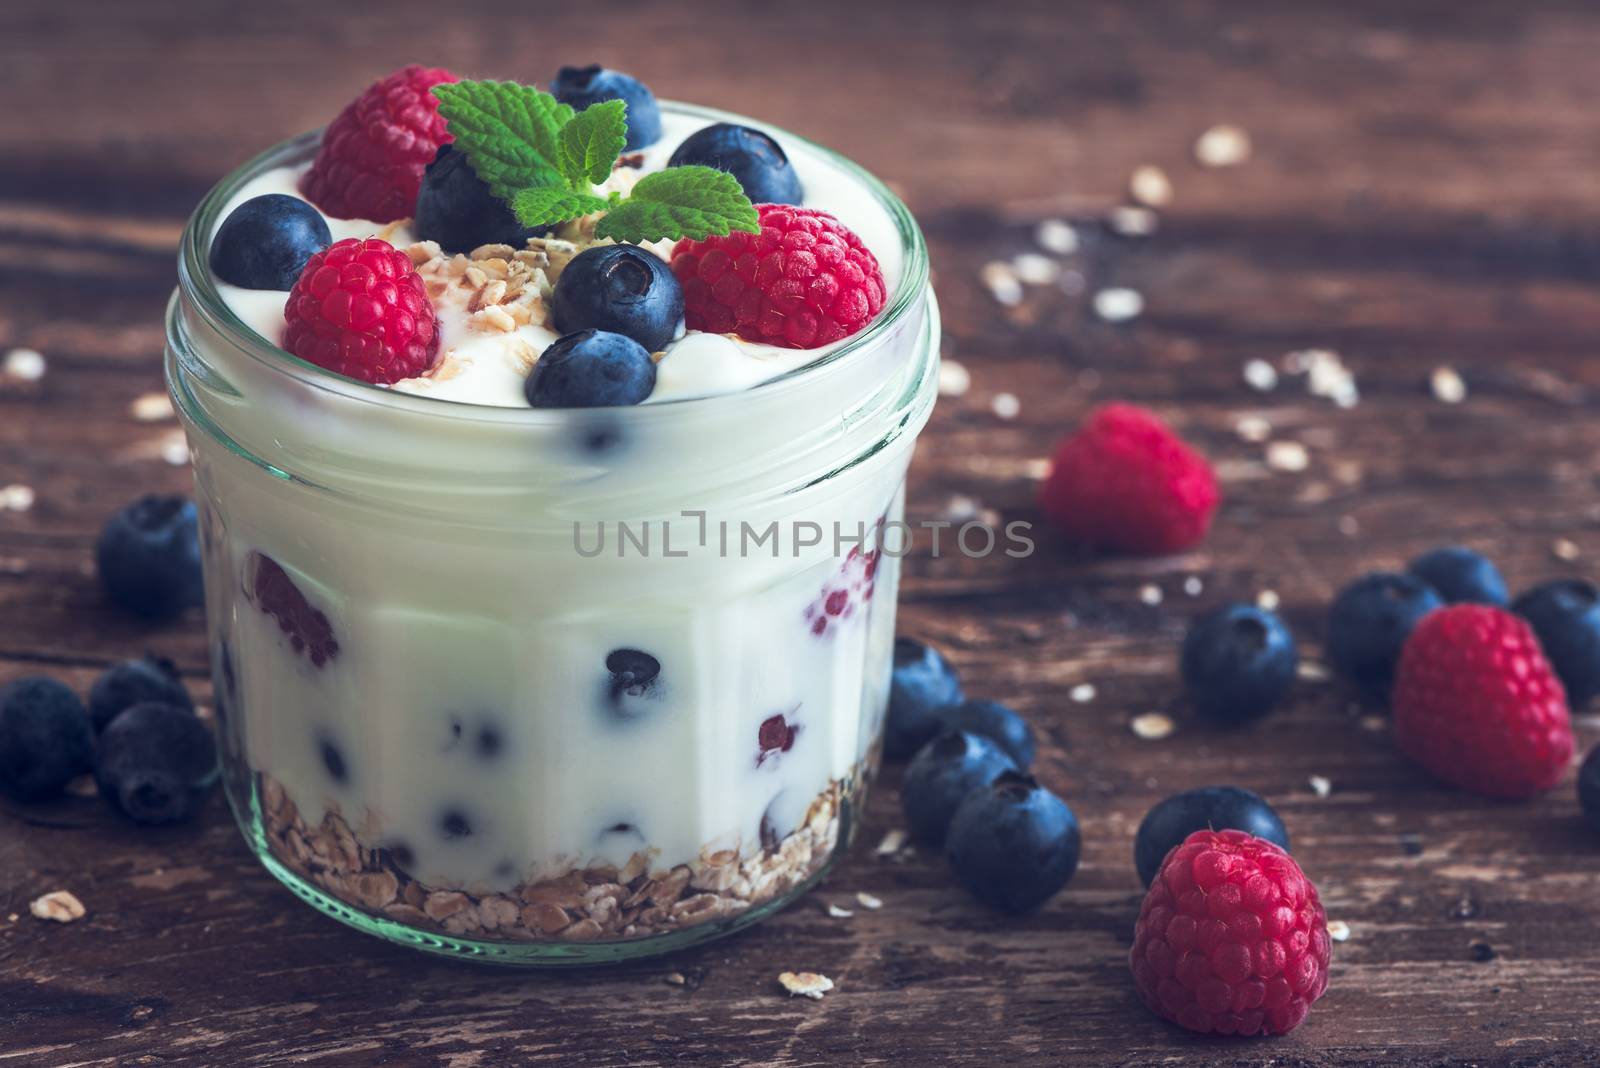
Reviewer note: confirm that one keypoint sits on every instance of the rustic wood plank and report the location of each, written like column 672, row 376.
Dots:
column 1422, row 192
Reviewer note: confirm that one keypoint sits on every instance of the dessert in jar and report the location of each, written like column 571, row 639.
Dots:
column 545, row 447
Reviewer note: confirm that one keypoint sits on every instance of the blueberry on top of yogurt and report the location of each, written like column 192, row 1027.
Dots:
column 264, row 242
column 753, row 157
column 582, row 86
column 456, row 209
column 621, row 289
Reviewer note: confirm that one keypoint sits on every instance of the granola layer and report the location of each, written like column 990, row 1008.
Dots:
column 594, row 903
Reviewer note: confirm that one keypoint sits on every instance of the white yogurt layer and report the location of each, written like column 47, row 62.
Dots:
column 490, row 367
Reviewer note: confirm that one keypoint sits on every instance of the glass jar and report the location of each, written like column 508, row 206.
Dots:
column 549, row 687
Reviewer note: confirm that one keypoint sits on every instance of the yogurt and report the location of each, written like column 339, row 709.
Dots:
column 552, row 685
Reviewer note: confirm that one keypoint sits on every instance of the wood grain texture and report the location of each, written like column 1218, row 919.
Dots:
column 1423, row 191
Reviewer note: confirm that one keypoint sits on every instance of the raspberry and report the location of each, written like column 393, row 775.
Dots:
column 374, row 152
column 269, row 588
column 1232, row 938
column 1126, row 481
column 1477, row 703
column 803, row 281
column 359, row 308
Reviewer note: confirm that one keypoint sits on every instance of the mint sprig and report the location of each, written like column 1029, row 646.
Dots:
column 544, row 160
column 680, row 202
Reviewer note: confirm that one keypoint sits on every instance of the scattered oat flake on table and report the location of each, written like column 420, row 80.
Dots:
column 16, row 498
column 1260, row 376
column 1118, row 305
column 1287, row 456
column 838, row 913
column 1002, row 283
column 806, row 984
column 1035, row 270
column 1326, row 375
column 1153, row 726
column 1267, row 600
column 1006, row 405
column 1348, row 525
column 1222, row 146
column 1130, row 221
column 677, row 979
column 892, row 843
column 1565, row 549
column 1447, row 385
column 1057, row 236
column 1193, row 586
column 868, row 901
column 954, row 378
column 1082, row 693
column 1320, row 785
column 1253, row 428
column 1150, row 594
column 1149, row 184
column 1312, row 671
column 1037, row 468
column 58, row 905
column 1338, row 930
column 25, row 365
column 152, row 408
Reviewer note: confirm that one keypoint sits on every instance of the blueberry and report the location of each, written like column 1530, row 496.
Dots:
column 622, row 289
column 1565, row 614
column 941, row 776
column 633, row 672
column 996, row 722
column 488, row 743
column 582, row 86
column 1460, row 575
column 456, row 209
column 754, row 158
column 150, row 678
column 1589, row 787
column 1238, row 662
column 45, row 738
column 1013, row 843
column 265, row 242
column 1218, row 808
column 921, row 686
column 453, row 823
column 592, row 369
column 154, row 761
column 333, row 760
column 148, row 557
column 1369, row 623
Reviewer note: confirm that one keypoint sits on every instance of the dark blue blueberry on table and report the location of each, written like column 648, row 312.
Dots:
column 1565, row 614
column 941, row 776
column 1238, row 662
column 1217, row 808
column 150, row 678
column 752, row 157
column 620, row 289
column 154, row 762
column 1369, row 623
column 922, row 685
column 997, row 722
column 1589, row 787
column 1013, row 844
column 265, row 242
column 1461, row 576
column 148, row 557
column 456, row 209
column 45, row 738
column 592, row 369
column 582, row 86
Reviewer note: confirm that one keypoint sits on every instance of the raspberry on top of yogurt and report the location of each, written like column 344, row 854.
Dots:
column 524, row 224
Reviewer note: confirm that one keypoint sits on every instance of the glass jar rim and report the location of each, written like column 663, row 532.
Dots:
column 195, row 280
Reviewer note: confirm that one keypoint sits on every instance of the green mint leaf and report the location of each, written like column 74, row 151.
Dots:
column 511, row 133
column 681, row 202
column 592, row 141
column 544, row 205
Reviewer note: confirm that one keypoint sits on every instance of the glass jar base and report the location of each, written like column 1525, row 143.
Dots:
column 527, row 954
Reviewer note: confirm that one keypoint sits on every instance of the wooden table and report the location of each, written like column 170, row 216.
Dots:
column 1423, row 193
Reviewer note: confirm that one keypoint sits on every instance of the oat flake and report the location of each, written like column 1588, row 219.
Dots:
column 869, row 902
column 1131, row 221
column 1057, row 236
column 1320, row 785
column 1150, row 185
column 26, row 365
column 954, row 378
column 1035, row 270
column 1287, row 456
column 806, row 984
column 1338, row 930
column 1448, row 386
column 1118, row 305
column 1153, row 726
column 1082, row 693
column 58, row 905
column 1222, row 146
column 1006, row 406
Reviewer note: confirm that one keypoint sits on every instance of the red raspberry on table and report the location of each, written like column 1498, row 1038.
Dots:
column 1125, row 481
column 1477, row 703
column 374, row 152
column 803, row 281
column 361, row 309
column 1232, row 938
